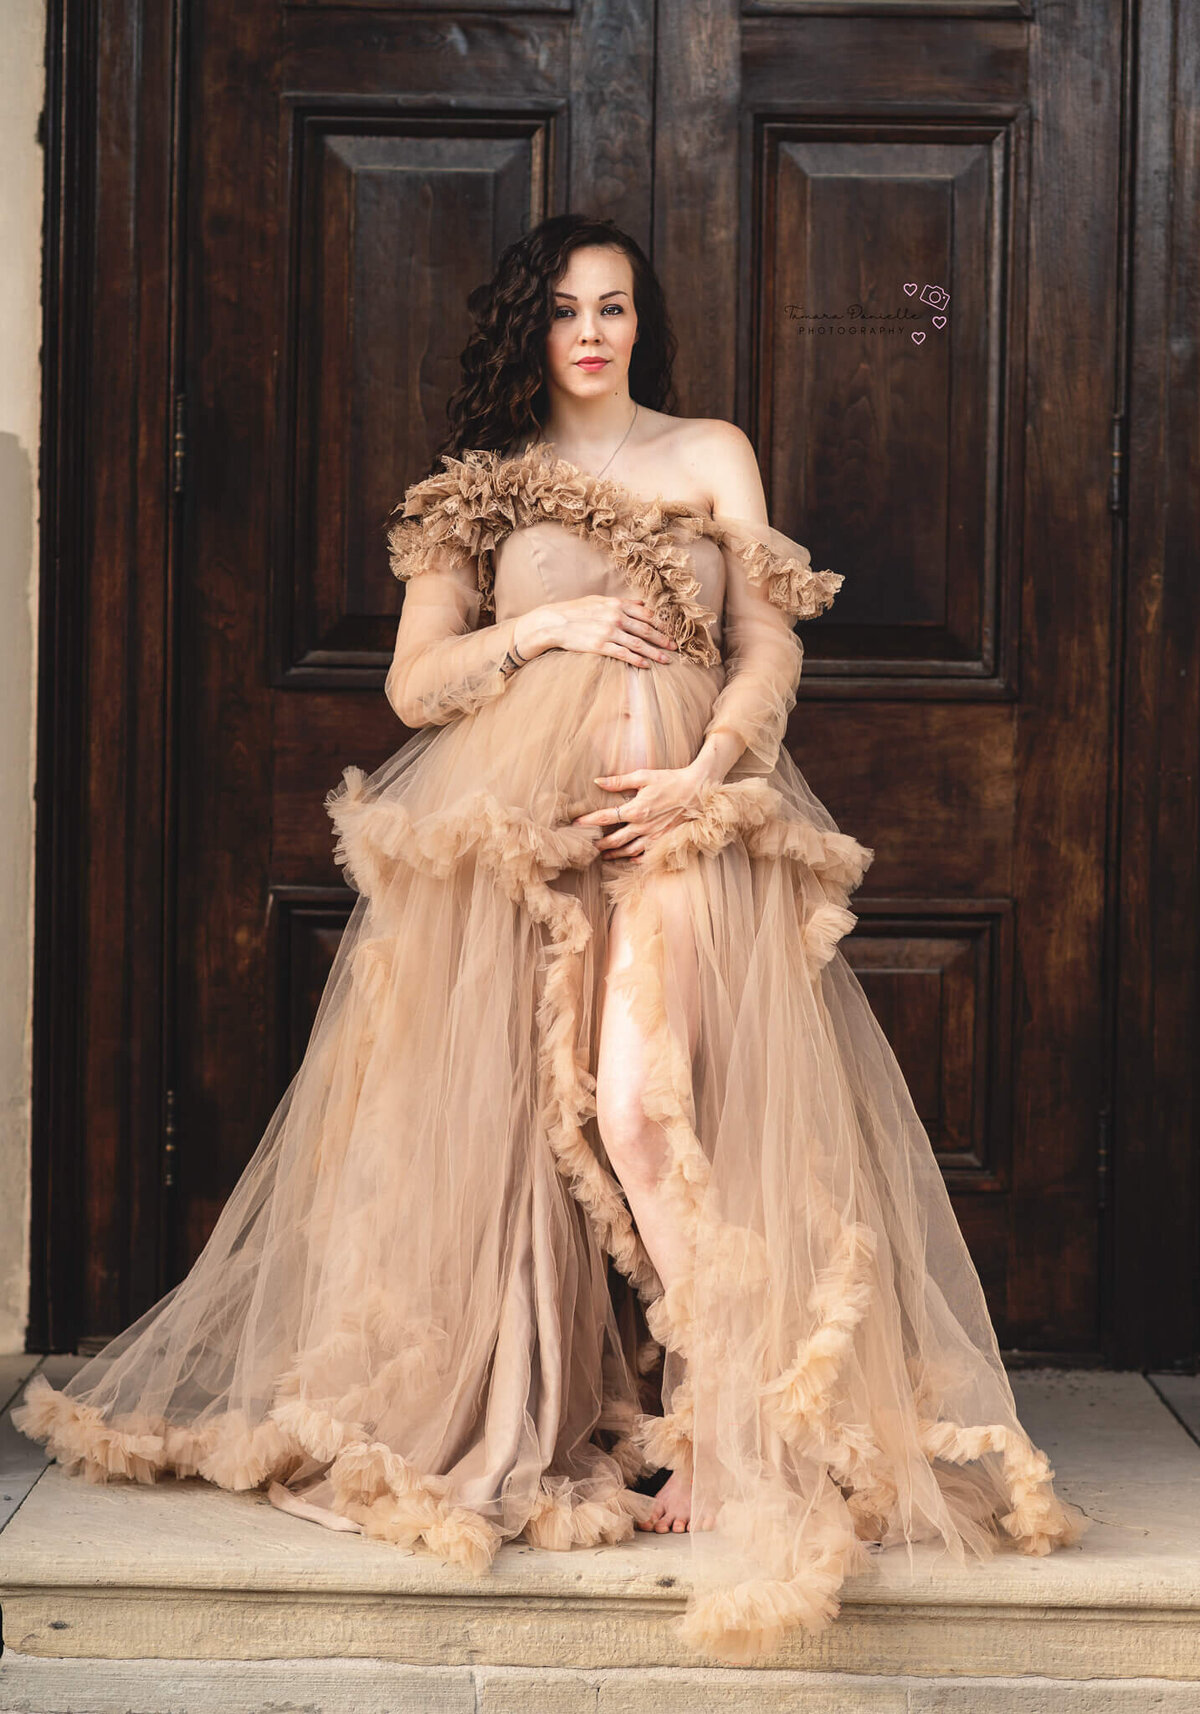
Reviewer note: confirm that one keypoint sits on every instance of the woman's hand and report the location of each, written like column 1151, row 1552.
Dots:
column 663, row 798
column 616, row 625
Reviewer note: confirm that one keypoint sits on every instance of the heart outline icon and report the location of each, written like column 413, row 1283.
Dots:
column 918, row 337
column 939, row 321
column 910, row 287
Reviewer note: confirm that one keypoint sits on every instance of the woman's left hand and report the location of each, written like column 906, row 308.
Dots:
column 663, row 797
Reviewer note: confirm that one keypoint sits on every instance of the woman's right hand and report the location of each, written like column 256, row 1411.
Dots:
column 616, row 625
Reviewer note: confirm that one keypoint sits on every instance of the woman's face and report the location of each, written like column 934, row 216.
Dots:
column 593, row 318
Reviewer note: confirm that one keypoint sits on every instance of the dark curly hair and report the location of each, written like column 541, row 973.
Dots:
column 502, row 398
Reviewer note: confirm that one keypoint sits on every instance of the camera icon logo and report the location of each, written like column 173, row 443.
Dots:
column 935, row 297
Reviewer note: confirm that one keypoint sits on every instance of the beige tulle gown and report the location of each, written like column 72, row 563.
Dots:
column 423, row 1312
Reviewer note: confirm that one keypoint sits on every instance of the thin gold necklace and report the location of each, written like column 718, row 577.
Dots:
column 612, row 454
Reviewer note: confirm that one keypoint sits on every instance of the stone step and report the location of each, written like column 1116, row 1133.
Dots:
column 128, row 1589
column 301, row 1686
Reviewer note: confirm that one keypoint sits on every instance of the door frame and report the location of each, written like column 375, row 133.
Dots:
column 112, row 128
column 113, row 268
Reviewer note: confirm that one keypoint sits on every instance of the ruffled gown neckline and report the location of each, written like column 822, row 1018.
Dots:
column 608, row 488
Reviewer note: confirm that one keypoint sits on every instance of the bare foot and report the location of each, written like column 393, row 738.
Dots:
column 672, row 1506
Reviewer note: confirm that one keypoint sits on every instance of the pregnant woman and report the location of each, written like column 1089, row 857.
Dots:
column 598, row 1164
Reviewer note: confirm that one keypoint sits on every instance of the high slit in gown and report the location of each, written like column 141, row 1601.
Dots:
column 425, row 1312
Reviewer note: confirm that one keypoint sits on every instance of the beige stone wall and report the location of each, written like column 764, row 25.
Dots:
column 22, row 80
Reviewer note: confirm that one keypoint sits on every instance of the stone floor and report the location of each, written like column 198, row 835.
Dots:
column 181, row 1598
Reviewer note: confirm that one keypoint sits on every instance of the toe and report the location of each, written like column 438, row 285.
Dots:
column 653, row 1519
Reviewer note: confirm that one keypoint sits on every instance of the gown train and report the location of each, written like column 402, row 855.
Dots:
column 425, row 1312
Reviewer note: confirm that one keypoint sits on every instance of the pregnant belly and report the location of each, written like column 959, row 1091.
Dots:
column 562, row 721
column 623, row 717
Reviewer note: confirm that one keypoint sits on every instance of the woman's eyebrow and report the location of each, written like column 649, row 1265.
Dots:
column 617, row 292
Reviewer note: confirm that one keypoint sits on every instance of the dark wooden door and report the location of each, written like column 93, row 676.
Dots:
column 888, row 238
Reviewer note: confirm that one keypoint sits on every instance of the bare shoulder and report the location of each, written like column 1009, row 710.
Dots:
column 723, row 462
column 703, row 458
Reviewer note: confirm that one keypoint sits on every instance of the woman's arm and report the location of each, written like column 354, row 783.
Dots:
column 769, row 584
column 444, row 663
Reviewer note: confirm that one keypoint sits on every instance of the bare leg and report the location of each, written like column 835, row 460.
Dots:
column 638, row 1146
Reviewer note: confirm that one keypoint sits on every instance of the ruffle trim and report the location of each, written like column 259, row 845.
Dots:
column 666, row 1441
column 791, row 582
column 800, row 1402
column 755, row 812
column 376, row 838
column 560, row 1520
column 373, row 1486
column 741, row 1624
column 458, row 515
column 377, row 1488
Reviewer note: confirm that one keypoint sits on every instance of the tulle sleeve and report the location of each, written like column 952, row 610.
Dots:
column 446, row 663
column 769, row 584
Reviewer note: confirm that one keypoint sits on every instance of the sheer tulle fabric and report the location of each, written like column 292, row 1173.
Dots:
column 404, row 1320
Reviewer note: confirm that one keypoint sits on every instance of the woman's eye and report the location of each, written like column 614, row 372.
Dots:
column 565, row 309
